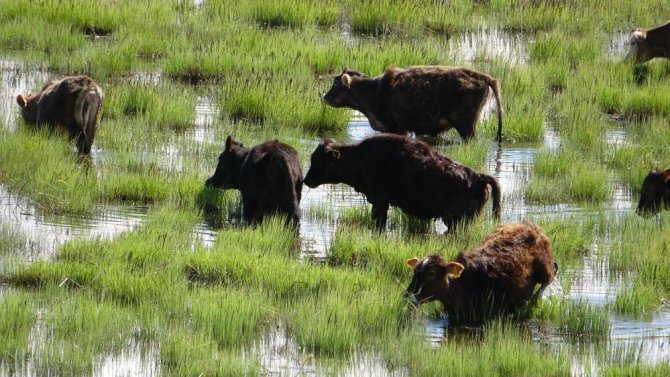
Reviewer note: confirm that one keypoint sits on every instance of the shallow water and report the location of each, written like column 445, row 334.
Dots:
column 510, row 47
column 16, row 78
column 45, row 232
column 512, row 166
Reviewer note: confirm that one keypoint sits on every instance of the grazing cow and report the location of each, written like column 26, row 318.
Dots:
column 72, row 103
column 497, row 277
column 655, row 192
column 268, row 176
column 406, row 173
column 425, row 100
column 647, row 44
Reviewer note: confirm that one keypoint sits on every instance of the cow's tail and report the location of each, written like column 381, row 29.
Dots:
column 495, row 192
column 495, row 87
column 293, row 191
column 88, row 116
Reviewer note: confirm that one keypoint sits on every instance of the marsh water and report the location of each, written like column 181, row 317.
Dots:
column 512, row 164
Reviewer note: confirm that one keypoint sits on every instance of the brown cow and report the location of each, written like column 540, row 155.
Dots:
column 425, row 100
column 72, row 103
column 497, row 277
column 647, row 44
column 406, row 173
column 268, row 176
column 655, row 192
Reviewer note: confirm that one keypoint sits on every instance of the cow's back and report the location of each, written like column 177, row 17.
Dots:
column 72, row 103
column 271, row 176
column 508, row 264
column 418, row 179
column 431, row 98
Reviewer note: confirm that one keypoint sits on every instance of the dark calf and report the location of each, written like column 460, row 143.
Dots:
column 425, row 100
column 72, row 103
column 497, row 277
column 655, row 192
column 268, row 176
column 405, row 173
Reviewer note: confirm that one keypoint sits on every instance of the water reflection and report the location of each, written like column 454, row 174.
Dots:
column 45, row 231
column 16, row 78
column 511, row 47
column 133, row 360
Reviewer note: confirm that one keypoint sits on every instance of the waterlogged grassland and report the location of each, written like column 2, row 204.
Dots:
column 263, row 65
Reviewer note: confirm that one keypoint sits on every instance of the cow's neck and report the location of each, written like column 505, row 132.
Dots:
column 352, row 168
column 369, row 101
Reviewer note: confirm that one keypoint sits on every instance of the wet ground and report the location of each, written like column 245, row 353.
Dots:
column 511, row 165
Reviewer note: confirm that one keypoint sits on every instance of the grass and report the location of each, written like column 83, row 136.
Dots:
column 264, row 65
column 562, row 178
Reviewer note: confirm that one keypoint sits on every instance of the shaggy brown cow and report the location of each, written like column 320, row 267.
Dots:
column 655, row 192
column 497, row 277
column 425, row 100
column 647, row 44
column 406, row 173
column 72, row 103
column 268, row 176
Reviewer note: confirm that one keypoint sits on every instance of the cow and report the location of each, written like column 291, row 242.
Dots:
column 655, row 193
column 647, row 44
column 406, row 173
column 425, row 100
column 499, row 276
column 72, row 103
column 268, row 176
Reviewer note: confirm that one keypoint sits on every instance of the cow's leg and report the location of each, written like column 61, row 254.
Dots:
column 380, row 214
column 466, row 128
column 83, row 145
column 251, row 210
column 291, row 209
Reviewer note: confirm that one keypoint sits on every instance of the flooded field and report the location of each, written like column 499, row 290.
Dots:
column 592, row 281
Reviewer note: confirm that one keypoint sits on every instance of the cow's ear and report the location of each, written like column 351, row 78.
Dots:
column 666, row 175
column 346, row 80
column 639, row 35
column 229, row 142
column 21, row 100
column 412, row 262
column 454, row 270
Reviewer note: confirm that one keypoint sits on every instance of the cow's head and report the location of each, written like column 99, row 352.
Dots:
column 655, row 191
column 637, row 46
column 227, row 173
column 339, row 94
column 28, row 104
column 325, row 165
column 432, row 278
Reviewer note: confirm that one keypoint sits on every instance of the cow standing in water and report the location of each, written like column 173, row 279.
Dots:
column 268, row 176
column 426, row 100
column 406, row 173
column 655, row 193
column 647, row 44
column 72, row 103
column 510, row 268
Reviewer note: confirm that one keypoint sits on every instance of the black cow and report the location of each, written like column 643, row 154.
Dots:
column 268, row 176
column 655, row 192
column 425, row 100
column 406, row 173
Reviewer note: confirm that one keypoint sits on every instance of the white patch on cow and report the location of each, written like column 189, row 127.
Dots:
column 633, row 44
